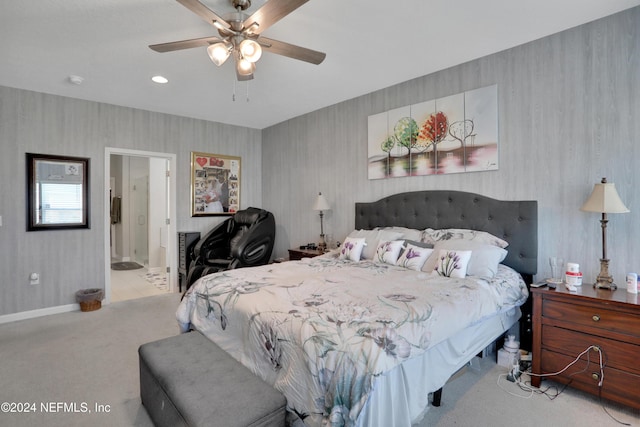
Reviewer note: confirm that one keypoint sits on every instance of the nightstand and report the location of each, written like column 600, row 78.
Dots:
column 298, row 254
column 565, row 324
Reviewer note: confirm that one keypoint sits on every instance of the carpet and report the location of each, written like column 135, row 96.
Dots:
column 95, row 360
column 126, row 265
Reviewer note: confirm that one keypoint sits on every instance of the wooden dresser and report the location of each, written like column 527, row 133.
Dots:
column 565, row 324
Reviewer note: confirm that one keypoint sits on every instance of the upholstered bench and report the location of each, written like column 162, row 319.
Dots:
column 187, row 380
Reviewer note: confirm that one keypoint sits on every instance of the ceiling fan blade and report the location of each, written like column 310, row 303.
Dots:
column 292, row 51
column 204, row 12
column 184, row 44
column 270, row 13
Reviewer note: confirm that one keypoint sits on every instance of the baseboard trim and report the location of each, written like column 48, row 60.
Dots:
column 31, row 314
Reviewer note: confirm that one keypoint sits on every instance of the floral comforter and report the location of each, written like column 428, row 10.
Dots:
column 321, row 330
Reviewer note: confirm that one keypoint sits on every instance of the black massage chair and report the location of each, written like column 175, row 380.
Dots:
column 244, row 240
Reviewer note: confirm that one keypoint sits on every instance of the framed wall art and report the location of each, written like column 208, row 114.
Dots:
column 453, row 134
column 57, row 192
column 215, row 184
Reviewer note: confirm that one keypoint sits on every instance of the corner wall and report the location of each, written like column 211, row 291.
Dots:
column 569, row 109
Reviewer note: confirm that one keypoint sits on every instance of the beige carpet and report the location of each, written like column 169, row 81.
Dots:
column 82, row 357
column 89, row 359
column 482, row 396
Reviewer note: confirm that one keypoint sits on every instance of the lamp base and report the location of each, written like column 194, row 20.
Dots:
column 605, row 285
column 322, row 245
column 604, row 279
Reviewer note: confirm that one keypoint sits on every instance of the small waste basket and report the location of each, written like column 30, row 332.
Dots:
column 90, row 299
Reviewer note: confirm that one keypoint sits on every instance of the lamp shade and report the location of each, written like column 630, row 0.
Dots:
column 250, row 49
column 604, row 199
column 244, row 67
column 321, row 203
column 218, row 52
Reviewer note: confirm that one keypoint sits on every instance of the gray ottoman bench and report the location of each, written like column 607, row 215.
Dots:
column 187, row 380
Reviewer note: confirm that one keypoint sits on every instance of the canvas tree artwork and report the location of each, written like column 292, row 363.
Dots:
column 453, row 134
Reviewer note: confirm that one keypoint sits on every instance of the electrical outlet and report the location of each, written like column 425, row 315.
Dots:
column 34, row 278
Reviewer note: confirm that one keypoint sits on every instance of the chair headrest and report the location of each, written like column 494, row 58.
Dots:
column 249, row 216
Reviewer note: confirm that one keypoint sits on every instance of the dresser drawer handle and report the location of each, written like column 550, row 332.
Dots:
column 595, row 318
column 595, row 376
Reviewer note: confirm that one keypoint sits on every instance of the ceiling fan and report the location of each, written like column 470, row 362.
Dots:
column 240, row 35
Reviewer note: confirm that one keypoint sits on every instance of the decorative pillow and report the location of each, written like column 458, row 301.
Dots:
column 452, row 263
column 372, row 237
column 414, row 257
column 419, row 244
column 432, row 236
column 352, row 248
column 388, row 252
column 407, row 233
column 484, row 258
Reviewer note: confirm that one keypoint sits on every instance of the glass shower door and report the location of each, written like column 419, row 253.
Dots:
column 140, row 203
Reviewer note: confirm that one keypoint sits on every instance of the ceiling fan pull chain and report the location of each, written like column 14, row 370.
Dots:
column 234, row 90
column 247, row 91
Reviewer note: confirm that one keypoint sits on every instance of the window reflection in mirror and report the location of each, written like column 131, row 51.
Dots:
column 57, row 192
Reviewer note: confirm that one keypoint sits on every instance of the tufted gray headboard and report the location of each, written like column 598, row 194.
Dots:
column 514, row 221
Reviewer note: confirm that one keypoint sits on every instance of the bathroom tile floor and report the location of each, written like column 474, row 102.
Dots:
column 132, row 284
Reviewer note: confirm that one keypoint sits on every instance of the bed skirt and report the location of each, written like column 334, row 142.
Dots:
column 406, row 387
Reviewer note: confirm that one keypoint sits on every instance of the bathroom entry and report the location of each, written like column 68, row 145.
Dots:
column 140, row 230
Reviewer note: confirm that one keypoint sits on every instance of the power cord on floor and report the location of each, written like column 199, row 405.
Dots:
column 515, row 376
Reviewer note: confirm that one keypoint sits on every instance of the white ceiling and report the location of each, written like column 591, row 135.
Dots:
column 370, row 44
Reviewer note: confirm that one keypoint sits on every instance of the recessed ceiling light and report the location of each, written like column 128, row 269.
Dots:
column 76, row 80
column 160, row 79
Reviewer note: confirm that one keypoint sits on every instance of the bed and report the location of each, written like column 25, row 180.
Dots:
column 364, row 342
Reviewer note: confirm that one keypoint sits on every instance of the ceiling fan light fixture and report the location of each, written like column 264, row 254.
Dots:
column 250, row 50
column 244, row 67
column 219, row 52
column 239, row 34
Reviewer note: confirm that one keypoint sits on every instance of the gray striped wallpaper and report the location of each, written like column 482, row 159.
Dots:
column 569, row 114
column 74, row 259
column 569, row 107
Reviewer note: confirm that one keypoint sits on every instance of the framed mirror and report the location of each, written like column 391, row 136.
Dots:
column 57, row 192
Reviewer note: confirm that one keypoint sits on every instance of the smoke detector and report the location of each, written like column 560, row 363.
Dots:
column 76, row 80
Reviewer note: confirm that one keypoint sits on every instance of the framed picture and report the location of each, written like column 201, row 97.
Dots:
column 215, row 184
column 57, row 192
column 452, row 134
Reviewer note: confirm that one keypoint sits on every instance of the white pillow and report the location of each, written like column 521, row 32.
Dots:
column 407, row 233
column 484, row 258
column 352, row 248
column 388, row 252
column 433, row 236
column 452, row 263
column 372, row 237
column 414, row 257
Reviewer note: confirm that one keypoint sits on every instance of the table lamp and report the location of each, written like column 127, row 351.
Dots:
column 321, row 205
column 604, row 199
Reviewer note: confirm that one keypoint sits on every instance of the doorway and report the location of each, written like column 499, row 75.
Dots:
column 141, row 231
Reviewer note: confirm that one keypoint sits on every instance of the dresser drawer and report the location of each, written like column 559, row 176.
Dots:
column 615, row 353
column 616, row 385
column 594, row 317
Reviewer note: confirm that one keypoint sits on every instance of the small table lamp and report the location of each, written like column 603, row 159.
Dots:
column 321, row 204
column 604, row 199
